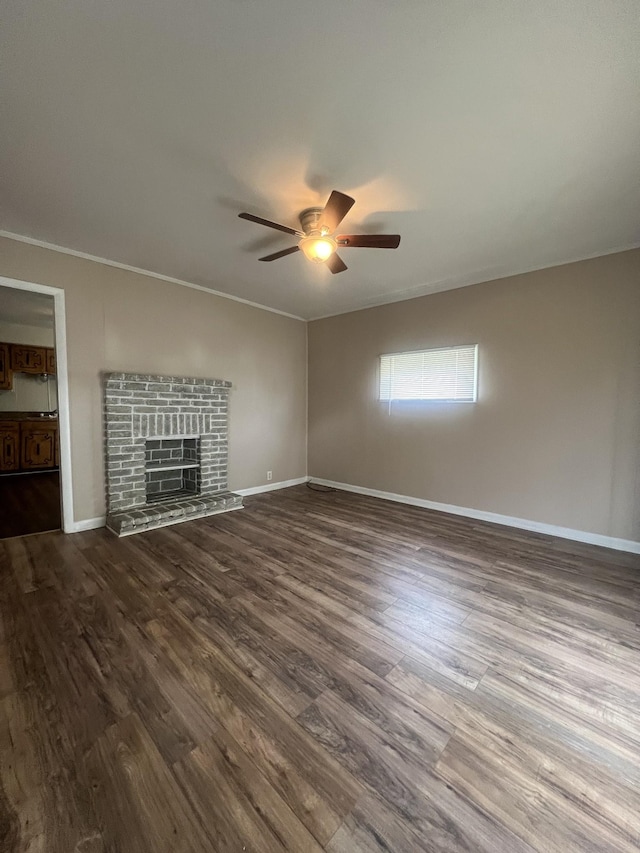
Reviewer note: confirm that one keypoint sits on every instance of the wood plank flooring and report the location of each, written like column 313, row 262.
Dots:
column 318, row 672
column 29, row 503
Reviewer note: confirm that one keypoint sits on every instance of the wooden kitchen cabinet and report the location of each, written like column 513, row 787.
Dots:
column 27, row 359
column 23, row 358
column 9, row 446
column 38, row 444
column 6, row 374
column 50, row 360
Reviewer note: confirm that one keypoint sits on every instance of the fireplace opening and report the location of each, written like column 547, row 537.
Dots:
column 172, row 467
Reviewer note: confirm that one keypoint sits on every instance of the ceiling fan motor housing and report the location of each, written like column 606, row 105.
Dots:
column 310, row 221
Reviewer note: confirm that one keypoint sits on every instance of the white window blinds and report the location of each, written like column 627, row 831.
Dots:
column 448, row 373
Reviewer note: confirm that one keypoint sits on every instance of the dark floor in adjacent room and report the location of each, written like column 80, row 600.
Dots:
column 319, row 671
column 30, row 503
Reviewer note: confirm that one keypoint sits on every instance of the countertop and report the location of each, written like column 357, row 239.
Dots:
column 28, row 416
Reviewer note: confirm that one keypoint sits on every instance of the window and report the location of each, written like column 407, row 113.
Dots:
column 448, row 373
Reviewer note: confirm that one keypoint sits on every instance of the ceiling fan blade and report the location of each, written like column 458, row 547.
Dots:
column 335, row 210
column 281, row 254
column 369, row 241
column 270, row 224
column 335, row 263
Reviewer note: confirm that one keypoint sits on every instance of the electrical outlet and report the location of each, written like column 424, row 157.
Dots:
column 269, row 475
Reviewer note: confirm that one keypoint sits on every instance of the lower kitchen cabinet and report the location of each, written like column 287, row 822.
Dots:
column 9, row 446
column 38, row 444
column 28, row 445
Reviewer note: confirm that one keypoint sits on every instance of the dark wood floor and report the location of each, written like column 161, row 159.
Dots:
column 319, row 671
column 29, row 503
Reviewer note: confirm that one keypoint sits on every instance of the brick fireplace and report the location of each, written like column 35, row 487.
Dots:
column 166, row 450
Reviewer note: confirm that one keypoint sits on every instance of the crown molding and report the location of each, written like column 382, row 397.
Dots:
column 20, row 238
column 481, row 277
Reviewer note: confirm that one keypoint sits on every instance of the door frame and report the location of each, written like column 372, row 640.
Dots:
column 62, row 378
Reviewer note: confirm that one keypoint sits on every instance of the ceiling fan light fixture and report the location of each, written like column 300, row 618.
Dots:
column 319, row 226
column 318, row 248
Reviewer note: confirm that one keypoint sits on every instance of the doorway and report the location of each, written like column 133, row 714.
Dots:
column 32, row 420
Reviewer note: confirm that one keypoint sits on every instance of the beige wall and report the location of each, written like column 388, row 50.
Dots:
column 118, row 320
column 21, row 333
column 555, row 434
column 30, row 394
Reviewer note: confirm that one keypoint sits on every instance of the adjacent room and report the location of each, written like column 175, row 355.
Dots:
column 30, row 456
column 320, row 424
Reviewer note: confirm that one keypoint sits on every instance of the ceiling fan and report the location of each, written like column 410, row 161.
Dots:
column 318, row 239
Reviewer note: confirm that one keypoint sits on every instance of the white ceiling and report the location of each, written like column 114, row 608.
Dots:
column 495, row 137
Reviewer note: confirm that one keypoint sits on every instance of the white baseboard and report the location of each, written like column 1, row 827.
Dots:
column 87, row 524
column 509, row 521
column 94, row 523
column 270, row 487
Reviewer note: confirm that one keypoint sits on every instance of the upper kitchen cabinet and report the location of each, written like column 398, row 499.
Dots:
column 28, row 359
column 6, row 377
column 24, row 358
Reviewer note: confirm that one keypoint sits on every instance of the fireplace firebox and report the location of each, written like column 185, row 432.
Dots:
column 172, row 467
